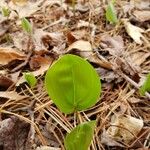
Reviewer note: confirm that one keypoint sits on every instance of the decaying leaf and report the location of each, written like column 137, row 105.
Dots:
column 124, row 128
column 134, row 32
column 7, row 55
column 114, row 45
column 139, row 58
column 12, row 95
column 108, row 140
column 142, row 15
column 86, row 51
column 24, row 8
column 5, row 82
column 44, row 64
column 14, row 134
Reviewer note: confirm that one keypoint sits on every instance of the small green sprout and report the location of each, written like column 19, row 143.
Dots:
column 30, row 78
column 26, row 25
column 73, row 84
column 146, row 86
column 80, row 137
column 5, row 12
column 111, row 12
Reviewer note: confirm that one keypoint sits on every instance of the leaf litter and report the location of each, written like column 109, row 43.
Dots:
column 119, row 53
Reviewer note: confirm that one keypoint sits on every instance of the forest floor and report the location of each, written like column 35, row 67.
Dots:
column 119, row 52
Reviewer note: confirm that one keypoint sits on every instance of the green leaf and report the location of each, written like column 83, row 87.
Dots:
column 80, row 137
column 5, row 12
column 26, row 25
column 30, row 78
column 146, row 86
column 73, row 84
column 111, row 13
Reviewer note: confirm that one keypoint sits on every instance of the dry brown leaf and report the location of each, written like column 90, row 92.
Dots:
column 20, row 2
column 134, row 32
column 108, row 140
column 124, row 128
column 5, row 82
column 86, row 51
column 114, row 45
column 25, row 8
column 81, row 46
column 7, row 55
column 44, row 65
column 142, row 15
column 12, row 95
column 139, row 58
column 47, row 148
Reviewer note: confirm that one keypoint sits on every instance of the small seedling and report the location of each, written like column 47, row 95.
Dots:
column 80, row 137
column 73, row 84
column 5, row 12
column 146, row 86
column 30, row 78
column 26, row 25
column 111, row 12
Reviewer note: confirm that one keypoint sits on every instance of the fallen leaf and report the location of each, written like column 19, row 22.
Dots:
column 47, row 148
column 124, row 128
column 114, row 45
column 42, row 40
column 7, row 55
column 12, row 95
column 134, row 32
column 139, row 58
column 108, row 140
column 142, row 15
column 14, row 134
column 85, row 50
column 5, row 82
column 24, row 8
column 20, row 2
column 81, row 45
column 44, row 64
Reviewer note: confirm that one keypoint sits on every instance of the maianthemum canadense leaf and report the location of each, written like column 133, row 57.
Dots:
column 111, row 12
column 73, row 84
column 26, row 25
column 5, row 11
column 146, row 86
column 80, row 137
column 30, row 78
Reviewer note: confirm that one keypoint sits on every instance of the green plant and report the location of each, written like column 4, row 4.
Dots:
column 30, row 78
column 111, row 12
column 146, row 86
column 5, row 12
column 26, row 25
column 80, row 137
column 73, row 84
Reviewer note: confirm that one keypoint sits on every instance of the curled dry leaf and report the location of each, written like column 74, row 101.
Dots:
column 142, row 15
column 44, row 64
column 124, row 128
column 86, row 51
column 134, row 32
column 5, row 82
column 7, row 55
